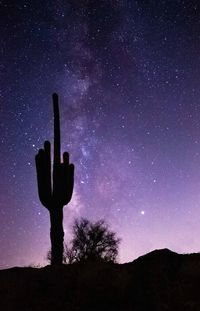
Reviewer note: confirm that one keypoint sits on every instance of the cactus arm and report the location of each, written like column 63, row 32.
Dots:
column 68, row 178
column 68, row 183
column 39, row 161
column 47, row 151
column 43, row 170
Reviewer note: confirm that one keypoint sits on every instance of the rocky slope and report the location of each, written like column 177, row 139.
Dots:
column 161, row 280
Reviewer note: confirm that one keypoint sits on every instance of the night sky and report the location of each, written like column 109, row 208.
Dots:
column 128, row 77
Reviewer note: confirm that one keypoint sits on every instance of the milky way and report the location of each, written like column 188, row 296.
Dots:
column 128, row 77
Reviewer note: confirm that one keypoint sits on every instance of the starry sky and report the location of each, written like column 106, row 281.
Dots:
column 128, row 78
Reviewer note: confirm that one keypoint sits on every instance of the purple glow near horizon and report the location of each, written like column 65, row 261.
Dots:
column 128, row 77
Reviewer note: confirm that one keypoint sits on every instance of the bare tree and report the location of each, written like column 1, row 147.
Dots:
column 92, row 241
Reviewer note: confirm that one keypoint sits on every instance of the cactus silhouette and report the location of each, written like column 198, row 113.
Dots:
column 55, row 190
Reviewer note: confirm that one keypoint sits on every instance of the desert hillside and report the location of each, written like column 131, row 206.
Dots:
column 161, row 280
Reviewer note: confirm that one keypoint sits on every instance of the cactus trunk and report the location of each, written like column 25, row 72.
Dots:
column 55, row 191
column 56, row 212
column 57, row 235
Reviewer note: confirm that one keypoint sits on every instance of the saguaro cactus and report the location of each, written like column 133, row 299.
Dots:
column 55, row 190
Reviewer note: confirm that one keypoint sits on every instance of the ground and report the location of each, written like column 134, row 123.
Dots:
column 161, row 280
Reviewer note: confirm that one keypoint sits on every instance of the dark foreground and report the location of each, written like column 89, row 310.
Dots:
column 161, row 280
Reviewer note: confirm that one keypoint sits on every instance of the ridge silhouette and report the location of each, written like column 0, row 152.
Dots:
column 55, row 188
column 159, row 281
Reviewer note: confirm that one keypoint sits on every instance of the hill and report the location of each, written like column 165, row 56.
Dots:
column 161, row 280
